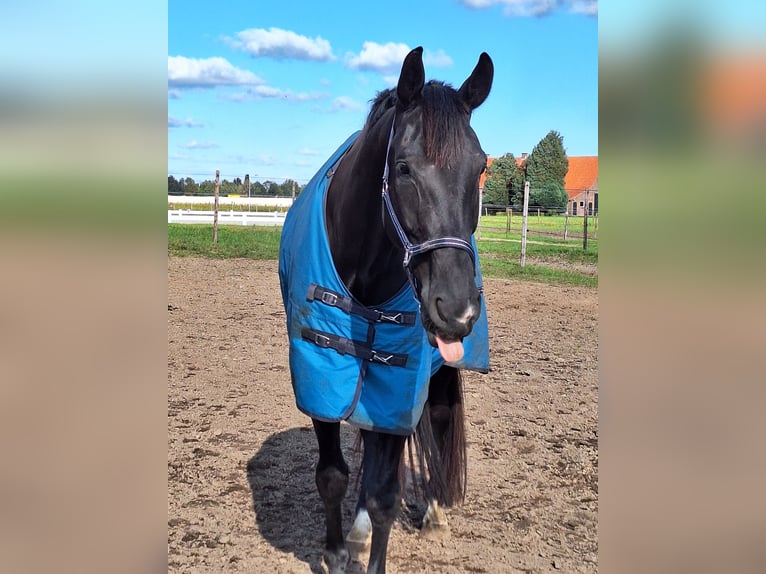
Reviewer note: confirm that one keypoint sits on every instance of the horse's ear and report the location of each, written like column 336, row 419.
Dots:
column 476, row 88
column 412, row 77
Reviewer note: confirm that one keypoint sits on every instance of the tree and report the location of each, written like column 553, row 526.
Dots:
column 258, row 188
column 175, row 187
column 190, row 187
column 207, row 187
column 230, row 188
column 503, row 176
column 287, row 188
column 272, row 188
column 548, row 162
column 550, row 196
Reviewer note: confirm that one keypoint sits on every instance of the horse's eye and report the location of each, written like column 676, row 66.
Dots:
column 402, row 168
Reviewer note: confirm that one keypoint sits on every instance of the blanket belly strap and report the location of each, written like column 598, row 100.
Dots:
column 347, row 304
column 357, row 349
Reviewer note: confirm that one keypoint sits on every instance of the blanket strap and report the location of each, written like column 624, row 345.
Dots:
column 357, row 349
column 347, row 304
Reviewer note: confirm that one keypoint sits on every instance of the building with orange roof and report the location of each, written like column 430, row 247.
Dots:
column 733, row 100
column 582, row 176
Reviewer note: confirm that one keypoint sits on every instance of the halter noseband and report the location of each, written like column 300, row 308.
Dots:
column 411, row 249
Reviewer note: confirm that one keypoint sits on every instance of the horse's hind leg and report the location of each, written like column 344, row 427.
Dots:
column 382, row 455
column 332, row 482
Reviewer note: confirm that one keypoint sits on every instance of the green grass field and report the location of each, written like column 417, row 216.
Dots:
column 250, row 242
column 547, row 261
column 552, row 226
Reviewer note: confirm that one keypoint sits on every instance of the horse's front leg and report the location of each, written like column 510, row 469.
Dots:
column 441, row 432
column 359, row 537
column 382, row 455
column 332, row 482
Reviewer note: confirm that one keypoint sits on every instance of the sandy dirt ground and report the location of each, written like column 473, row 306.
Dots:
column 241, row 494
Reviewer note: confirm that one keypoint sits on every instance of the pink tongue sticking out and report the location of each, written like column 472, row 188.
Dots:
column 451, row 352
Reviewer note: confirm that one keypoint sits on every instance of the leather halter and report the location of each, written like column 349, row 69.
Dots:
column 412, row 249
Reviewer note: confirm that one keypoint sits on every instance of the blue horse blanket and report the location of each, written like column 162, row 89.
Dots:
column 368, row 365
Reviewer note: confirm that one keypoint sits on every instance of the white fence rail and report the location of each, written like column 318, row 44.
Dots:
column 209, row 199
column 227, row 217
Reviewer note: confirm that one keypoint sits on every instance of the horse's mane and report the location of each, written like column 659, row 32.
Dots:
column 441, row 109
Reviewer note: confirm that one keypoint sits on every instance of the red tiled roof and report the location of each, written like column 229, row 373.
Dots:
column 582, row 174
column 734, row 94
column 483, row 177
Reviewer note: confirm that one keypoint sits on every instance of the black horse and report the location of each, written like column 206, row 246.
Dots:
column 419, row 139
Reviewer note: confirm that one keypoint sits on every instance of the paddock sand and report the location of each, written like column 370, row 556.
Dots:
column 241, row 494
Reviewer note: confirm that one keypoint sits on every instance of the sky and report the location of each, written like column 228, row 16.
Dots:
column 271, row 89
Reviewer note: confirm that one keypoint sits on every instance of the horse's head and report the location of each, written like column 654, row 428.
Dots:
column 434, row 164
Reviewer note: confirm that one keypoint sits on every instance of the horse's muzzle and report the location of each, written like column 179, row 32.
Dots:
column 451, row 318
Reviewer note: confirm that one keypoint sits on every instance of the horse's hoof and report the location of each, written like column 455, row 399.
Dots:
column 435, row 531
column 435, row 525
column 360, row 536
column 336, row 561
column 358, row 549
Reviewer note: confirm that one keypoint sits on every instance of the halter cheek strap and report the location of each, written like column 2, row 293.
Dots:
column 411, row 249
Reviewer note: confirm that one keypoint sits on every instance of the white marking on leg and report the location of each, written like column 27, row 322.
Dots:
column 360, row 535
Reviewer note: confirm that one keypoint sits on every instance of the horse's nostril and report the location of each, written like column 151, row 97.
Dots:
column 439, row 304
column 454, row 315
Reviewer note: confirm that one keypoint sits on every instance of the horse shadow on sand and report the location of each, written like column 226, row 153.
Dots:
column 288, row 510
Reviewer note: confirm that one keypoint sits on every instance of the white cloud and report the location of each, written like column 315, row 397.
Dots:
column 587, row 7
column 194, row 144
column 387, row 58
column 383, row 58
column 266, row 92
column 206, row 73
column 282, row 44
column 174, row 95
column 308, row 151
column 438, row 59
column 344, row 103
column 537, row 7
column 187, row 123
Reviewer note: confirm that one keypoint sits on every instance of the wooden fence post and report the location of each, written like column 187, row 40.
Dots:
column 215, row 207
column 566, row 224
column 524, row 218
column 585, row 223
column 478, row 223
column 508, row 217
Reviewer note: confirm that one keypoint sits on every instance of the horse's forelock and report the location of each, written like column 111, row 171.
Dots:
column 441, row 110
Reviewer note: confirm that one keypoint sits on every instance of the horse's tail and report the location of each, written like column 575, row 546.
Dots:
column 440, row 439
